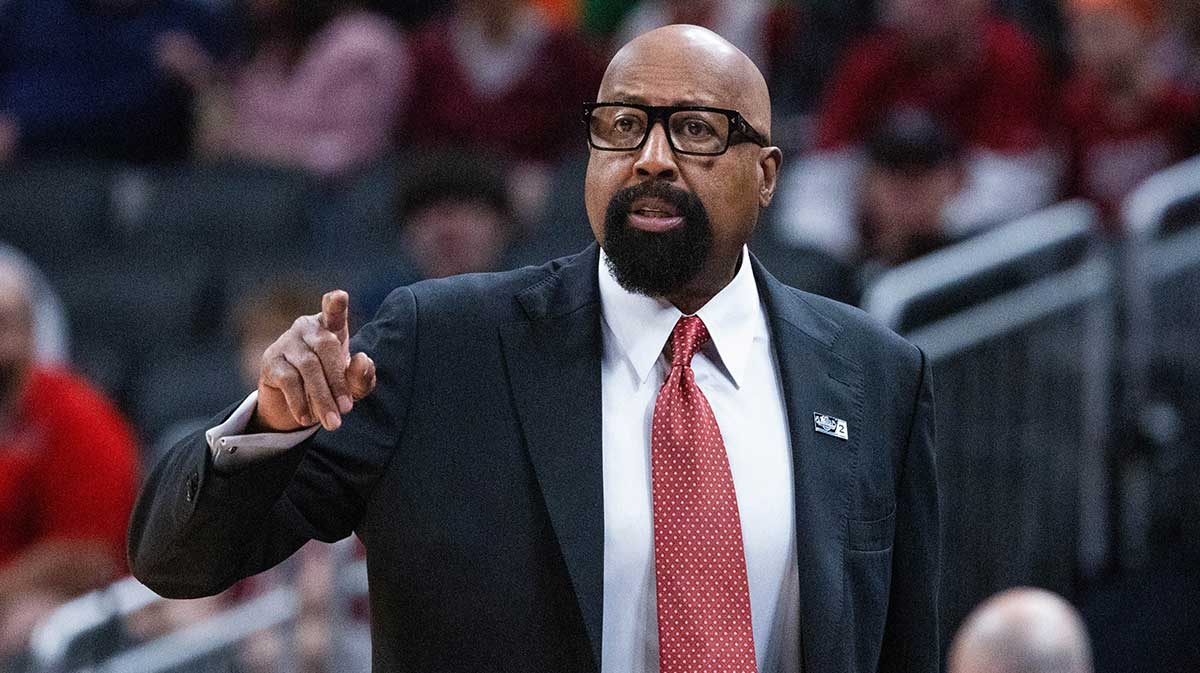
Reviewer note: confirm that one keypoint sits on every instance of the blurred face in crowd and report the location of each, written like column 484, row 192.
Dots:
column 16, row 333
column 936, row 24
column 672, row 224
column 902, row 208
column 453, row 236
column 1108, row 42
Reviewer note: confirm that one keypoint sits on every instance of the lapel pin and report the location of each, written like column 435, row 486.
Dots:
column 828, row 425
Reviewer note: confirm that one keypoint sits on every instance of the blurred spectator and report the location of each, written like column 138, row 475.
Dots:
column 67, row 477
column 321, row 89
column 1124, row 118
column 83, row 78
column 51, row 338
column 455, row 216
column 1022, row 630
column 979, row 74
column 1178, row 49
column 913, row 170
column 497, row 76
column 742, row 22
column 262, row 315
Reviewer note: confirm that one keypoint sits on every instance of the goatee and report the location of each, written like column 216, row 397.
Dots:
column 657, row 264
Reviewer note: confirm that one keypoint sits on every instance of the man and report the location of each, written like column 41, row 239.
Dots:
column 1022, row 630
column 539, row 490
column 68, row 474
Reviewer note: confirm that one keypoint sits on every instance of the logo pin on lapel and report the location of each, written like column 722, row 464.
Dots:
column 828, row 425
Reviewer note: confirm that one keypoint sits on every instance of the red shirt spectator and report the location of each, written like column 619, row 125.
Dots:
column 1124, row 118
column 68, row 469
column 1114, row 148
column 501, row 79
column 995, row 100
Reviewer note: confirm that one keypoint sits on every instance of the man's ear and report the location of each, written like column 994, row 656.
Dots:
column 769, row 160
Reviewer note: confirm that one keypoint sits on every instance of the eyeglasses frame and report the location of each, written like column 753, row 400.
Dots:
column 740, row 130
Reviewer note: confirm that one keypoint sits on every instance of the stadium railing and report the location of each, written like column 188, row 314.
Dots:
column 101, row 616
column 1023, row 370
column 1161, row 357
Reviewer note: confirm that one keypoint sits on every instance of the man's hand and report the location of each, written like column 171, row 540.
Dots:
column 308, row 376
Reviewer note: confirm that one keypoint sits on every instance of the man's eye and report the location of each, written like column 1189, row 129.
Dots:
column 694, row 128
column 627, row 125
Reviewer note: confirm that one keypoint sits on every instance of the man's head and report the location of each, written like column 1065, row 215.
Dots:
column 1022, row 630
column 456, row 215
column 266, row 312
column 673, row 224
column 914, row 168
column 936, row 25
column 1111, row 38
column 16, row 329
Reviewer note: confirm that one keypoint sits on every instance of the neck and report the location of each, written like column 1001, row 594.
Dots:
column 704, row 287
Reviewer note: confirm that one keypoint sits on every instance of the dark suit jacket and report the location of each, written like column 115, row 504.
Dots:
column 473, row 476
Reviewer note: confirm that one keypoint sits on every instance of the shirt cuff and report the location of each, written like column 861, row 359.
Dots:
column 231, row 449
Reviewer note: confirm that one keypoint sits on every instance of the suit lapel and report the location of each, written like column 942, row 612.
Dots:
column 815, row 379
column 553, row 362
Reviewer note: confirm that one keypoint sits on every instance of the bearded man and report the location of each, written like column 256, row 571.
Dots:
column 651, row 456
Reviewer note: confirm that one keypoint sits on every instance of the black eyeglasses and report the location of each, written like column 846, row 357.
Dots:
column 705, row 131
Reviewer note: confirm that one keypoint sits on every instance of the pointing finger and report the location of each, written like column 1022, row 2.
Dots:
column 334, row 307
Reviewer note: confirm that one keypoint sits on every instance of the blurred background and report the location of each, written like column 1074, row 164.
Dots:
column 1012, row 185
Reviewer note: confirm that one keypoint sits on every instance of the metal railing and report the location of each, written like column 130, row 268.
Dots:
column 1023, row 380
column 214, row 637
column 1161, row 357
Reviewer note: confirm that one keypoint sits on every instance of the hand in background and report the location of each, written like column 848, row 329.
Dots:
column 181, row 56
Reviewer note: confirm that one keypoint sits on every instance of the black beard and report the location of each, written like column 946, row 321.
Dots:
column 656, row 264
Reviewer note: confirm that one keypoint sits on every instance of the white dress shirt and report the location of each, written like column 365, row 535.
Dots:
column 738, row 375
column 736, row 372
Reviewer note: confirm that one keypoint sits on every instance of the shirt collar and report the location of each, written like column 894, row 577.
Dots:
column 642, row 325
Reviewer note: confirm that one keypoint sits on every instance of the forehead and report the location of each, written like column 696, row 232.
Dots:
column 668, row 79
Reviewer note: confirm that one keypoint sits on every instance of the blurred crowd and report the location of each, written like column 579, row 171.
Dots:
column 906, row 125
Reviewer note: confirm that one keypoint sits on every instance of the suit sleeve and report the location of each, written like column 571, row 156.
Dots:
column 195, row 530
column 910, row 640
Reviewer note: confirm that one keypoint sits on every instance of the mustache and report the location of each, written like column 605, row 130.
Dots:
column 684, row 202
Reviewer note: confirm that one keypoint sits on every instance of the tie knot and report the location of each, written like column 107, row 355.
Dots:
column 689, row 336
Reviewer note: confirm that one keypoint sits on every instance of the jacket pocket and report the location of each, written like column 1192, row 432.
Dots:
column 872, row 536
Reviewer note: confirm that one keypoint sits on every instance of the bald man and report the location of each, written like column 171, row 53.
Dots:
column 650, row 456
column 1022, row 630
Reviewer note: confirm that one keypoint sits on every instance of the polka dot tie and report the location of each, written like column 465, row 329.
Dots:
column 699, row 563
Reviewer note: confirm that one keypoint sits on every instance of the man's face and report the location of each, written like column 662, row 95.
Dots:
column 665, row 219
column 928, row 24
column 1107, row 42
column 453, row 236
column 16, row 338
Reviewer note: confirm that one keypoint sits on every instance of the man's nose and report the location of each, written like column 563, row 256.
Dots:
column 656, row 159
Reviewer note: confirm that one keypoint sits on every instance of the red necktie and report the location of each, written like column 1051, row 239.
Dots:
column 699, row 563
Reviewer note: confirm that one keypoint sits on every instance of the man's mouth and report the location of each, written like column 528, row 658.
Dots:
column 655, row 215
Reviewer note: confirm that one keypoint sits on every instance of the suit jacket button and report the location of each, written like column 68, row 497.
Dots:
column 193, row 484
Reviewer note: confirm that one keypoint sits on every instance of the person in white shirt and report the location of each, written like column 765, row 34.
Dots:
column 649, row 453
